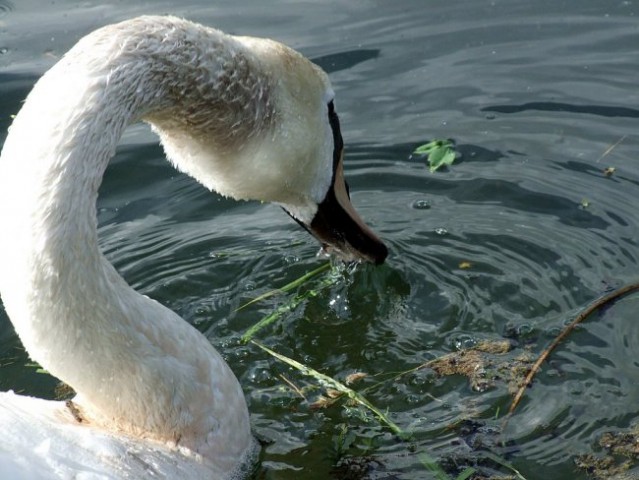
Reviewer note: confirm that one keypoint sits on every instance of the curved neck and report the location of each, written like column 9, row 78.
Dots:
column 135, row 365
column 51, row 167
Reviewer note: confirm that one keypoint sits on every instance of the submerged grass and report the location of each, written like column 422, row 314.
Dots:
column 329, row 276
column 289, row 286
column 328, row 280
column 330, row 383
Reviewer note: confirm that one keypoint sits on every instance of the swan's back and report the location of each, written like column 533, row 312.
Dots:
column 42, row 440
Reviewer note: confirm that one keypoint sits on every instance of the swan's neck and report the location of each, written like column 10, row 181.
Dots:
column 136, row 365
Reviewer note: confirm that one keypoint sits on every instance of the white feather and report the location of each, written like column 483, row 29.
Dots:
column 246, row 117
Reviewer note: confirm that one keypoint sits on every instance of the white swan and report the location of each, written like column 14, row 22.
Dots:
column 247, row 117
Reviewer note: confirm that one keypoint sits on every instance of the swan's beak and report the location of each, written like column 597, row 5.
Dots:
column 340, row 229
column 336, row 224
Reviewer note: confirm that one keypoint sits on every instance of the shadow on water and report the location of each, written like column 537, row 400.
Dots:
column 599, row 110
column 344, row 60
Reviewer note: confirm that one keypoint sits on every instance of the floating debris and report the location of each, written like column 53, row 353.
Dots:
column 440, row 153
column 355, row 377
column 480, row 368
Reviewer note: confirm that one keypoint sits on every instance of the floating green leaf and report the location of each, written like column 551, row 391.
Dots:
column 440, row 153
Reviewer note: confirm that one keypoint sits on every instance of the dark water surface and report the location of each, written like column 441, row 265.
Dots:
column 534, row 94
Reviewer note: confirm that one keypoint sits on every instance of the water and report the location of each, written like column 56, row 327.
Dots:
column 512, row 241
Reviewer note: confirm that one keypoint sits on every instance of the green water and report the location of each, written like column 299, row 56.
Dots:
column 534, row 94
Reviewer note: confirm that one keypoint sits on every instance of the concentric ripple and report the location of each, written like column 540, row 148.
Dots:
column 536, row 219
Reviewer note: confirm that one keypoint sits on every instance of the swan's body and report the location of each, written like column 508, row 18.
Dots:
column 246, row 117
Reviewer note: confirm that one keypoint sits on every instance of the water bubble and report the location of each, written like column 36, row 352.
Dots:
column 525, row 329
column 441, row 231
column 417, row 380
column 421, row 205
column 463, row 342
column 259, row 375
column 290, row 259
column 4, row 50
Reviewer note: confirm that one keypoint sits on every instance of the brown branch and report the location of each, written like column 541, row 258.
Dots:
column 611, row 297
column 294, row 387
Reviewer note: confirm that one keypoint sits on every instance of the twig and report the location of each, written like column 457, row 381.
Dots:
column 611, row 297
column 611, row 148
column 294, row 387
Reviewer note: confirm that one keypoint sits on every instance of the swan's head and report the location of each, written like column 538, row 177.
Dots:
column 332, row 219
column 265, row 128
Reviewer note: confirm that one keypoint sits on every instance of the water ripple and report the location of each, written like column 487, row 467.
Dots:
column 512, row 241
column 6, row 6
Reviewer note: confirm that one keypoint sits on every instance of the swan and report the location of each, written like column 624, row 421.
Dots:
column 249, row 118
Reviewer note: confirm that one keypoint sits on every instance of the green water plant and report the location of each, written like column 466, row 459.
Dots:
column 38, row 368
column 440, row 153
column 289, row 286
column 331, row 278
column 330, row 383
column 430, row 464
column 335, row 391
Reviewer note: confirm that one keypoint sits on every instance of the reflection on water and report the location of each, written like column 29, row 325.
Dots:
column 512, row 241
column 6, row 6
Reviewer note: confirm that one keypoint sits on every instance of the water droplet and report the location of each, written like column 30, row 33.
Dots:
column 421, row 205
column 463, row 342
column 524, row 329
column 290, row 259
